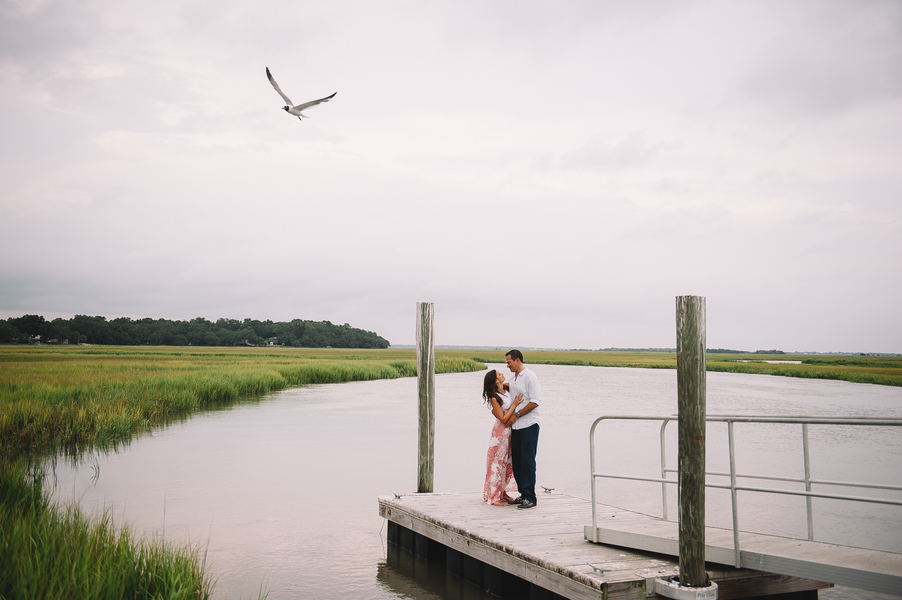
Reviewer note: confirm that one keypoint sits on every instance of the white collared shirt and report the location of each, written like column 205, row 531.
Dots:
column 525, row 382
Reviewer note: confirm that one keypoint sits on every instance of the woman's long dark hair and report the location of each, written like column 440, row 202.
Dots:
column 489, row 387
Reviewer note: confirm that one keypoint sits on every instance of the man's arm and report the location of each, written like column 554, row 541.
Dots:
column 527, row 409
column 511, row 411
column 533, row 392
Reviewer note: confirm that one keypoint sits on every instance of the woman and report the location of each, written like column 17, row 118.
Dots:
column 498, row 471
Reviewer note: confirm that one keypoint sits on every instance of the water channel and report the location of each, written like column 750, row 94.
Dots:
column 281, row 493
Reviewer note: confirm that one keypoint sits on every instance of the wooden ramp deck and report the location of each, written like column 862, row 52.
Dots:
column 546, row 546
column 841, row 565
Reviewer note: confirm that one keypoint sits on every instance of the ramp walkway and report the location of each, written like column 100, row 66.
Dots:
column 873, row 570
column 841, row 565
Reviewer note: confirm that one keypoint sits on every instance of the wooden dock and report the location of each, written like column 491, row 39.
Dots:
column 546, row 548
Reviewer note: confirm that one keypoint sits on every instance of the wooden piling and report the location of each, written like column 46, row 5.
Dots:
column 691, row 364
column 426, row 389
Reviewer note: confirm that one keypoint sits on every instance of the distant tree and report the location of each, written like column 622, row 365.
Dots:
column 226, row 337
column 230, row 324
column 10, row 335
column 264, row 329
column 62, row 330
column 32, row 325
column 198, row 332
column 96, row 329
column 124, row 331
column 165, row 333
column 247, row 335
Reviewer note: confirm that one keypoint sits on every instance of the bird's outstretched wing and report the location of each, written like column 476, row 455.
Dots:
column 301, row 107
column 278, row 89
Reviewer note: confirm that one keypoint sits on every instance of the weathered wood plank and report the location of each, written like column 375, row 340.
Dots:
column 547, row 548
column 529, row 570
column 510, row 559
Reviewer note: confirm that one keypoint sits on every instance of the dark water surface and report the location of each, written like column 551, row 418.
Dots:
column 281, row 494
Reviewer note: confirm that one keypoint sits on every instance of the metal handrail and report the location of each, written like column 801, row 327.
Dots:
column 734, row 476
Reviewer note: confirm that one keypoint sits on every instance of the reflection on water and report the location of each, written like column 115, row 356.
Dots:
column 409, row 576
column 283, row 492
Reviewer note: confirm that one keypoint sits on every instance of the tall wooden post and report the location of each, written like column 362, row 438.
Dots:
column 426, row 389
column 691, row 363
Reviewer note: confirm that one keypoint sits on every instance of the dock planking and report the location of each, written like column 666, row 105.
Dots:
column 546, row 546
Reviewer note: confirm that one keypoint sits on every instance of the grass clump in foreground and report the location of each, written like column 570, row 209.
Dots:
column 69, row 399
column 47, row 553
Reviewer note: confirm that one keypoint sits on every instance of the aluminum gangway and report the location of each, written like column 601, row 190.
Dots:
column 861, row 568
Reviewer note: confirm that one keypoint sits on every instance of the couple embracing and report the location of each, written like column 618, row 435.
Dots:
column 515, row 435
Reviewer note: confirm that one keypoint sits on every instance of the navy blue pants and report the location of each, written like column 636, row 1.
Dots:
column 524, row 443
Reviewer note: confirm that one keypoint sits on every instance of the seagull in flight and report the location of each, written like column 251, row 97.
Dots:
column 295, row 110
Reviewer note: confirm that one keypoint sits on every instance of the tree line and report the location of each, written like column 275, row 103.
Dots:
column 84, row 329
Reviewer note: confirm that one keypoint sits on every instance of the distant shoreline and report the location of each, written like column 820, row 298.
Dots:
column 658, row 350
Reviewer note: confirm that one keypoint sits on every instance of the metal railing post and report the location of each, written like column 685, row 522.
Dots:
column 592, row 477
column 807, row 481
column 737, row 556
column 664, row 470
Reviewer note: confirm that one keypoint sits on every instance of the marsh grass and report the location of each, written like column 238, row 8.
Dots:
column 49, row 553
column 70, row 399
column 880, row 370
column 67, row 400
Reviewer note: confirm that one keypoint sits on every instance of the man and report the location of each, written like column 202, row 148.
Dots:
column 524, row 428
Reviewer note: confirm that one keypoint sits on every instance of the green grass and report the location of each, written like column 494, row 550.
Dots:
column 48, row 553
column 70, row 399
column 65, row 400
column 880, row 370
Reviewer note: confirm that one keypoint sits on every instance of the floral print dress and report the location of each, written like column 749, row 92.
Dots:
column 499, row 474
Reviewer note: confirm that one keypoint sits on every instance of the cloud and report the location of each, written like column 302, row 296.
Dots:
column 825, row 59
column 611, row 155
column 634, row 150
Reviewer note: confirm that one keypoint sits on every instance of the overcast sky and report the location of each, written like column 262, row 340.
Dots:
column 548, row 174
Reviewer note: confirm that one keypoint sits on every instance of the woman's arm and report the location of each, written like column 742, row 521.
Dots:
column 496, row 409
